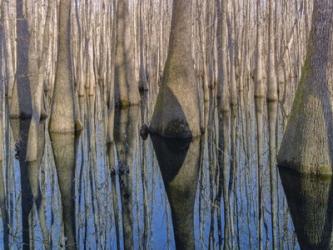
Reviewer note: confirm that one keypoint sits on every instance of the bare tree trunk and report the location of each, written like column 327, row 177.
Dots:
column 126, row 88
column 3, row 211
column 62, row 113
column 308, row 141
column 176, row 112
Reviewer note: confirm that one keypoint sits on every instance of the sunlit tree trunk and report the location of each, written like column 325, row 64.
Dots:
column 176, row 112
column 62, row 113
column 307, row 145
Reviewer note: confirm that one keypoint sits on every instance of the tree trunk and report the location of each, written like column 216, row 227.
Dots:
column 126, row 88
column 176, row 112
column 307, row 145
column 62, row 114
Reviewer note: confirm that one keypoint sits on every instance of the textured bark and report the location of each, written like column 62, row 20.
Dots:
column 126, row 88
column 223, row 90
column 272, row 91
column 62, row 114
column 310, row 200
column 259, row 83
column 176, row 112
column 179, row 162
column 307, row 145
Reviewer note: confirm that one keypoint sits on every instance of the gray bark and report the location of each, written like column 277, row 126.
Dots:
column 176, row 112
column 126, row 88
column 62, row 114
column 308, row 141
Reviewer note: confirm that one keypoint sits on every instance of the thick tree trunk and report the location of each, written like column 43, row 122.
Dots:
column 62, row 114
column 307, row 145
column 176, row 112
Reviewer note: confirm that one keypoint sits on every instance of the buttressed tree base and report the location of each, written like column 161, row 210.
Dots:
column 176, row 112
column 307, row 146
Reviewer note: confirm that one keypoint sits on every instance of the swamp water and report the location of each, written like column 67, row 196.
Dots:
column 130, row 193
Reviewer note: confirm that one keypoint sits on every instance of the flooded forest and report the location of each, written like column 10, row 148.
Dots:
column 166, row 124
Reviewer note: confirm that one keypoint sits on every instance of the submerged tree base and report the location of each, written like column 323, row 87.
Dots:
column 174, row 129
column 176, row 113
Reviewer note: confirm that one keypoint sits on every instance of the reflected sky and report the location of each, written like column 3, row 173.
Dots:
column 88, row 191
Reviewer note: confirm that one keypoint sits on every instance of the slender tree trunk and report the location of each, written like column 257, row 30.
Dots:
column 126, row 88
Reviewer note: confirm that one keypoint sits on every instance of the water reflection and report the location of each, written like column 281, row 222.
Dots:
column 29, row 172
column 64, row 157
column 107, row 188
column 310, row 200
column 126, row 141
column 179, row 162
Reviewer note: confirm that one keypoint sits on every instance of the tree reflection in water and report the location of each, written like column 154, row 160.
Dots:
column 310, row 200
column 95, row 190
